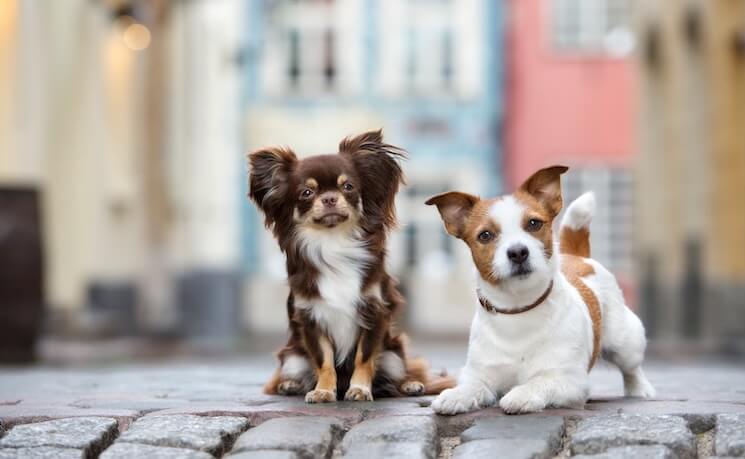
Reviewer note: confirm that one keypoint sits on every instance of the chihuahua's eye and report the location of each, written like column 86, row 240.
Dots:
column 534, row 225
column 485, row 236
column 306, row 193
column 347, row 186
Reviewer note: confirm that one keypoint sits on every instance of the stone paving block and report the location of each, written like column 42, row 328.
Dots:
column 417, row 432
column 135, row 450
column 407, row 450
column 514, row 448
column 264, row 454
column 598, row 434
column 514, row 436
column 88, row 434
column 258, row 414
column 42, row 452
column 635, row 452
column 481, row 449
column 201, row 433
column 308, row 436
column 729, row 438
column 33, row 411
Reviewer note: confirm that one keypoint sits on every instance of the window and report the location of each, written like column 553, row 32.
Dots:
column 594, row 26
column 310, row 46
column 430, row 48
column 611, row 228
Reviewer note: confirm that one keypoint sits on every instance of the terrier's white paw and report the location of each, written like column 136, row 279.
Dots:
column 521, row 399
column 454, row 401
column 640, row 389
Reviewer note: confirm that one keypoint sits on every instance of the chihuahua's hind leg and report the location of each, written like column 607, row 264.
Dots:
column 296, row 376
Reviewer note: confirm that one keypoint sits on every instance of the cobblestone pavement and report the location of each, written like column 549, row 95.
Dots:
column 216, row 409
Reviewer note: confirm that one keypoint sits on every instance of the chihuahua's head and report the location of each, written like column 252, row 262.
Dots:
column 355, row 188
column 510, row 237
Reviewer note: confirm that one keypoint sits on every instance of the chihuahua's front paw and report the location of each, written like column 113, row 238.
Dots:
column 521, row 399
column 358, row 394
column 320, row 396
column 454, row 401
column 290, row 387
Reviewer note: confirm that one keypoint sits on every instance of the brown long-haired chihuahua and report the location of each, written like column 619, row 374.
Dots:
column 331, row 215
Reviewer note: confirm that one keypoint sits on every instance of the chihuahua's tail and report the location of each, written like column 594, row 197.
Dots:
column 575, row 226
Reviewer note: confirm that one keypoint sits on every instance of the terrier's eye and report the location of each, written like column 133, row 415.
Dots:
column 534, row 225
column 485, row 236
column 306, row 193
column 347, row 186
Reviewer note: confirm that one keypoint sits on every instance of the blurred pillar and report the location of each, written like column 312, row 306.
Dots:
column 725, row 258
column 692, row 167
column 205, row 160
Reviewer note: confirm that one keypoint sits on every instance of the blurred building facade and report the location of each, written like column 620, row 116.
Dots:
column 430, row 73
column 691, row 225
column 570, row 100
column 125, row 115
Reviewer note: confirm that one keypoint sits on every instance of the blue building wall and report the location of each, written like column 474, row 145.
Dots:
column 472, row 128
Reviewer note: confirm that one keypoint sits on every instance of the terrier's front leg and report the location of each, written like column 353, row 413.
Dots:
column 470, row 394
column 323, row 359
column 554, row 388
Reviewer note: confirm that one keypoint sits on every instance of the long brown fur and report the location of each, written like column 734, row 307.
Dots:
column 276, row 179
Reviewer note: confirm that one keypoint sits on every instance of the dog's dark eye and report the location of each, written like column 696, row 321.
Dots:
column 485, row 236
column 534, row 225
column 306, row 193
column 348, row 186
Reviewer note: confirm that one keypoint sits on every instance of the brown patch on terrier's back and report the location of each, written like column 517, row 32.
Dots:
column 574, row 269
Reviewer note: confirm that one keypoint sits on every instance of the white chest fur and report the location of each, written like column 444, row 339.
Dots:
column 510, row 349
column 340, row 259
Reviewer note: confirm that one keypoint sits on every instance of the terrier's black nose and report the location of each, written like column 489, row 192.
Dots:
column 518, row 254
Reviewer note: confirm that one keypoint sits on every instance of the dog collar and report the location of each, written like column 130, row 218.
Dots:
column 495, row 310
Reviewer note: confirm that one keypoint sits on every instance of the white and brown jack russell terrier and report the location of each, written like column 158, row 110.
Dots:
column 547, row 311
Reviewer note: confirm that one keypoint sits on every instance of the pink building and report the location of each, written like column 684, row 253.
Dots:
column 570, row 99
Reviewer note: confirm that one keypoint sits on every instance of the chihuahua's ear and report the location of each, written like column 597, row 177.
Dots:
column 377, row 164
column 269, row 171
column 455, row 207
column 545, row 186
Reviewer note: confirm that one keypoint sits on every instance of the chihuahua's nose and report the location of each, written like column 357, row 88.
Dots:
column 329, row 200
column 518, row 254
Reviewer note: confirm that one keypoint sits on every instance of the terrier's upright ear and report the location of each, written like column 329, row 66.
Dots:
column 269, row 171
column 378, row 166
column 545, row 187
column 455, row 207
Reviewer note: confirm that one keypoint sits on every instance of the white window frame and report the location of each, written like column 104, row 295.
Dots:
column 597, row 30
column 429, row 22
column 313, row 19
